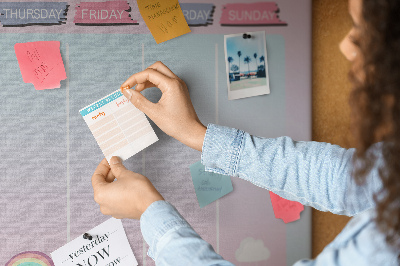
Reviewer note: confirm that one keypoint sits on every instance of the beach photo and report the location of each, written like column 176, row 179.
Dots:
column 246, row 65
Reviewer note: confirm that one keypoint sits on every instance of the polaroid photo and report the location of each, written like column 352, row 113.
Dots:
column 246, row 65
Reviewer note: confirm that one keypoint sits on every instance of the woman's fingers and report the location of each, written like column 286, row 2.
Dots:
column 142, row 86
column 160, row 67
column 153, row 76
column 100, row 174
column 141, row 102
column 110, row 177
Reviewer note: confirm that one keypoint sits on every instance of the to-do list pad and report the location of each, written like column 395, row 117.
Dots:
column 118, row 126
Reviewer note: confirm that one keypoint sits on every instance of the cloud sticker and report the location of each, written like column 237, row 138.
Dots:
column 252, row 250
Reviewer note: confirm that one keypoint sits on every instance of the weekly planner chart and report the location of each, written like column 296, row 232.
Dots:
column 247, row 65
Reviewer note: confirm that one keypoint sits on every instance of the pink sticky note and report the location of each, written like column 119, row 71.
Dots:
column 284, row 209
column 41, row 64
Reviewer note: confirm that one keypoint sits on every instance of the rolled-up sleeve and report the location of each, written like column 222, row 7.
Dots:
column 172, row 241
column 313, row 173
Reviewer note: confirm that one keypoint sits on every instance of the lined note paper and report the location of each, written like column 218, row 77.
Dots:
column 118, row 126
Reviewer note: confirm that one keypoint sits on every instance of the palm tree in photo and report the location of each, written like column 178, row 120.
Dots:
column 239, row 53
column 234, row 68
column 262, row 59
column 247, row 61
column 255, row 60
column 230, row 60
column 262, row 72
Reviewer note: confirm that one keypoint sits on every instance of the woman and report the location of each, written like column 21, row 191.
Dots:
column 316, row 174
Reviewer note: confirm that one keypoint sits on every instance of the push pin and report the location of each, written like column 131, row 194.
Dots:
column 246, row 36
column 87, row 236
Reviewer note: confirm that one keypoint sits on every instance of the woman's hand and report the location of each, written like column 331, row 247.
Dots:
column 174, row 113
column 127, row 197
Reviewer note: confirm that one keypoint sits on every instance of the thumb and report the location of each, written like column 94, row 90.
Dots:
column 138, row 100
column 99, row 176
column 116, row 166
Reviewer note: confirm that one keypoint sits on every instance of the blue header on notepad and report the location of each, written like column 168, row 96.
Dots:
column 100, row 103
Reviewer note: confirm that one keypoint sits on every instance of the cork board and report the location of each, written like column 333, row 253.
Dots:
column 330, row 97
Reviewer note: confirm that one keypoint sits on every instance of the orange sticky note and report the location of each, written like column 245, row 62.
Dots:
column 164, row 18
column 41, row 64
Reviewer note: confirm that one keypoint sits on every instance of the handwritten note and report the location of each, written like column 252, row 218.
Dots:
column 284, row 209
column 41, row 64
column 109, row 246
column 209, row 186
column 164, row 18
column 118, row 126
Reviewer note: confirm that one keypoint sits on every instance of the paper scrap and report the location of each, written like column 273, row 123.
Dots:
column 41, row 64
column 118, row 126
column 198, row 14
column 103, row 13
column 209, row 186
column 164, row 18
column 109, row 246
column 24, row 13
column 251, row 14
column 284, row 209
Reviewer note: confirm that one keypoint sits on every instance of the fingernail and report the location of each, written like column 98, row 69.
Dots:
column 115, row 160
column 124, row 88
column 128, row 93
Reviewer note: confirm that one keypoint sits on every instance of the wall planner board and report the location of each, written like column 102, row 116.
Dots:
column 48, row 153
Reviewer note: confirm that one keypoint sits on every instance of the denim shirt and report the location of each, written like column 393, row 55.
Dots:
column 312, row 173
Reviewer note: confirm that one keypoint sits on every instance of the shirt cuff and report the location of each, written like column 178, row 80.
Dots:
column 159, row 219
column 222, row 148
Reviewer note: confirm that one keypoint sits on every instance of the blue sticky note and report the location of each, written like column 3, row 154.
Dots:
column 209, row 186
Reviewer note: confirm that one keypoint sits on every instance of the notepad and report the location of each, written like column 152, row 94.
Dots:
column 118, row 126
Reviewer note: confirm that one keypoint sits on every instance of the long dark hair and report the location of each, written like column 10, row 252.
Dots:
column 375, row 102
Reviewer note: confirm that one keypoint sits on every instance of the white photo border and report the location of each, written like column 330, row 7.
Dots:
column 248, row 92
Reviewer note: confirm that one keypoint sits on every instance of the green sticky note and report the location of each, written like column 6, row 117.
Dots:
column 209, row 186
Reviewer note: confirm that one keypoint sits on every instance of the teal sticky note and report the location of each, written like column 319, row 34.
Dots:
column 209, row 186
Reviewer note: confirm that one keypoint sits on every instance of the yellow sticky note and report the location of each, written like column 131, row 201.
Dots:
column 164, row 18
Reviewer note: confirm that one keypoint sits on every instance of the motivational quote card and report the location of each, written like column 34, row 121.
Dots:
column 209, row 186
column 108, row 246
column 118, row 126
column 164, row 18
column 41, row 64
